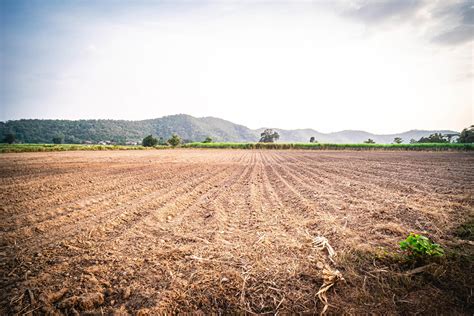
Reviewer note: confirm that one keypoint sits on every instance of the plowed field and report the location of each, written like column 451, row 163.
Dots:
column 231, row 230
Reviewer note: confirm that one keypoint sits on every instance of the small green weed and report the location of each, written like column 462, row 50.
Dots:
column 419, row 246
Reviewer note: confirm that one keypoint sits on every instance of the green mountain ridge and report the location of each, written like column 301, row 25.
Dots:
column 188, row 127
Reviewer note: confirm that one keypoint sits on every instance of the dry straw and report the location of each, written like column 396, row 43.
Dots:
column 330, row 275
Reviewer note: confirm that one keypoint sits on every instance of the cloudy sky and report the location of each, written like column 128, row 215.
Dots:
column 380, row 66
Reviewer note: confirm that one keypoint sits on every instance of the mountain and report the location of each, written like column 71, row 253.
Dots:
column 188, row 127
column 350, row 136
column 121, row 131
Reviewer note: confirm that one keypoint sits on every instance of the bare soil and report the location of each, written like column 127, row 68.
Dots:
column 222, row 231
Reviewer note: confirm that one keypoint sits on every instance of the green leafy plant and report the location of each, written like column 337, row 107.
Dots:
column 420, row 246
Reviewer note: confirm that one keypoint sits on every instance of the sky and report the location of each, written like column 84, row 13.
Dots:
column 379, row 66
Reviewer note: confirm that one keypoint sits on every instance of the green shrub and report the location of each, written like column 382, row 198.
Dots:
column 175, row 140
column 418, row 246
column 149, row 141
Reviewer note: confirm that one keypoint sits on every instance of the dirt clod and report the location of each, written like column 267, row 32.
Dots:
column 91, row 300
column 126, row 293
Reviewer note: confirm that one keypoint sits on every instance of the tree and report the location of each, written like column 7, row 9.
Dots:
column 208, row 140
column 450, row 136
column 149, row 141
column 467, row 135
column 369, row 141
column 433, row 138
column 58, row 139
column 269, row 136
column 9, row 138
column 312, row 140
column 175, row 140
column 413, row 141
column 398, row 140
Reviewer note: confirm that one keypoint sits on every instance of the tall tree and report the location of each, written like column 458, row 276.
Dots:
column 398, row 140
column 269, row 136
column 175, row 140
column 149, row 141
column 467, row 135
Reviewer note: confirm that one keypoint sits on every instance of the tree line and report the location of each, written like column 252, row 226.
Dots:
column 271, row 136
column 466, row 136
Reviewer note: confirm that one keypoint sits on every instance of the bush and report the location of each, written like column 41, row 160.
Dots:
column 175, row 140
column 149, row 141
column 419, row 246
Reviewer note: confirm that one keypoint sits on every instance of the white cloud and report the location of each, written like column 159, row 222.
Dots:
column 291, row 66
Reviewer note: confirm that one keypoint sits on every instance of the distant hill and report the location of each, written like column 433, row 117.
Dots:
column 351, row 136
column 188, row 127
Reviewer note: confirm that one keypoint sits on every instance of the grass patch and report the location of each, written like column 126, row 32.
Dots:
column 18, row 148
column 321, row 146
